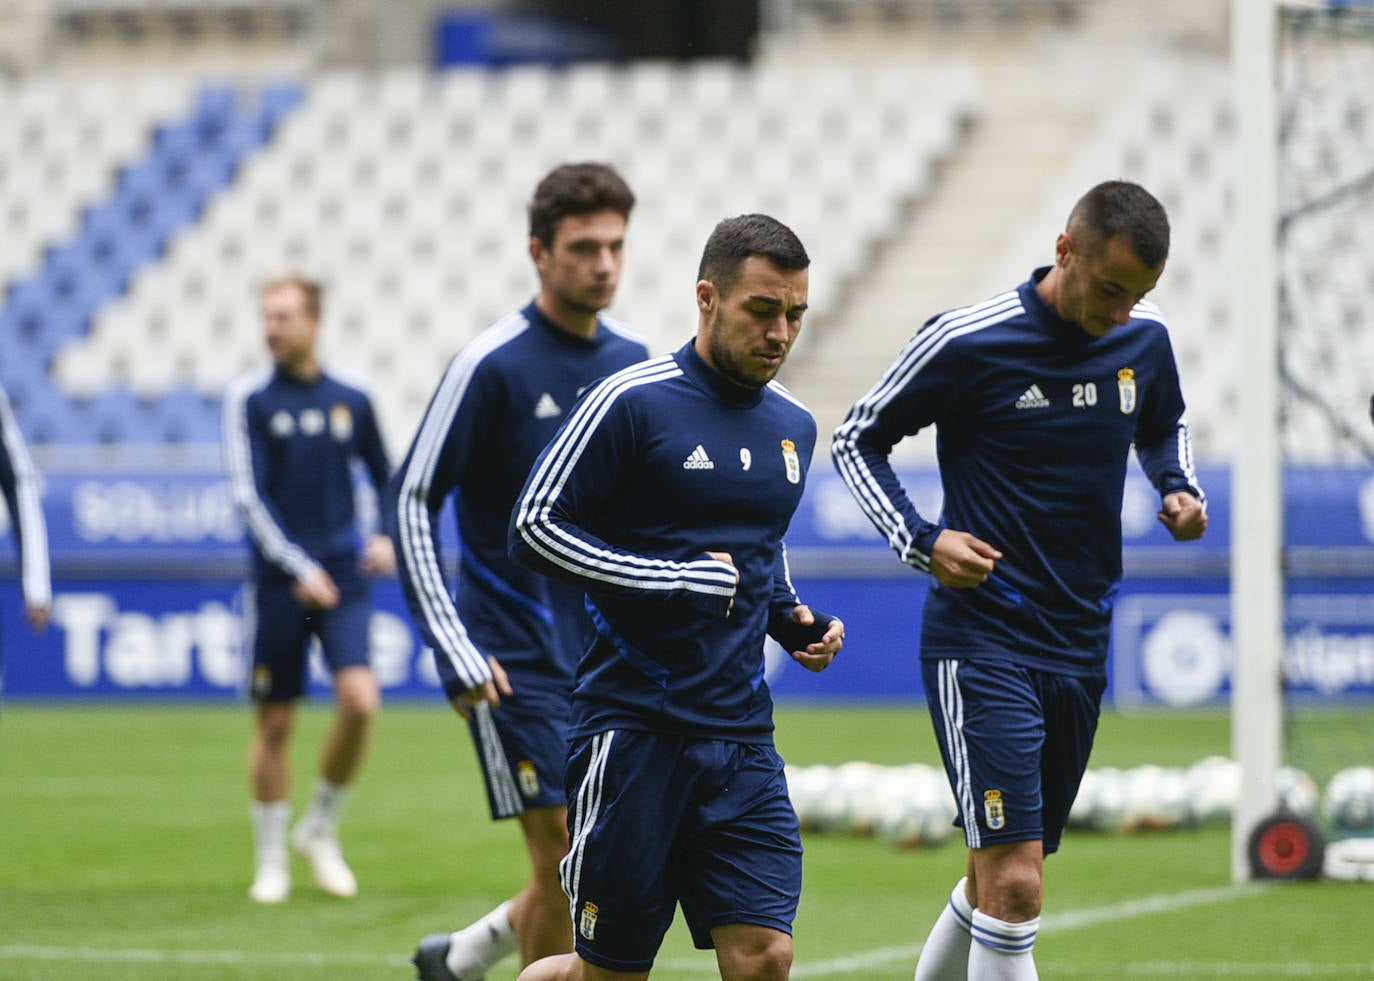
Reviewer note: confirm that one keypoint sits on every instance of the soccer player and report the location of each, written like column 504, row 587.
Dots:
column 665, row 496
column 291, row 437
column 498, row 404
column 1037, row 396
column 19, row 483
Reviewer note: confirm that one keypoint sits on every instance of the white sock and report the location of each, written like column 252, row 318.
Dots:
column 270, row 820
column 326, row 806
column 945, row 954
column 473, row 949
column 1003, row 950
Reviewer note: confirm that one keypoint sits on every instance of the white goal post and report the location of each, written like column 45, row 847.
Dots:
column 1257, row 596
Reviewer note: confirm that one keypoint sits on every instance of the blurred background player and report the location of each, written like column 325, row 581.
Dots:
column 500, row 401
column 19, row 483
column 291, row 436
column 1037, row 396
column 666, row 496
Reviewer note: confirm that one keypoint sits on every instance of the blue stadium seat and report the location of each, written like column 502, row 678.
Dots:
column 186, row 417
column 155, row 196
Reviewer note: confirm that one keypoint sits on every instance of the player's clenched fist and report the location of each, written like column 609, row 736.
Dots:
column 960, row 560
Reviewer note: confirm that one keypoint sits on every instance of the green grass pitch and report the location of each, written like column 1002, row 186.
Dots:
column 125, row 853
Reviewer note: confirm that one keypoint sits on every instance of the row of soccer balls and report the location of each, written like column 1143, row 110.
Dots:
column 912, row 805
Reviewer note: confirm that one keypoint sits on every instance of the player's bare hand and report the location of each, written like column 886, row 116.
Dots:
column 961, row 560
column 38, row 615
column 316, row 589
column 820, row 655
column 729, row 560
column 490, row 692
column 379, row 556
column 1183, row 515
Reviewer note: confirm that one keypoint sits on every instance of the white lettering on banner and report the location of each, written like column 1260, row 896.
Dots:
column 80, row 616
column 137, row 649
column 1185, row 655
column 1330, row 663
column 171, row 511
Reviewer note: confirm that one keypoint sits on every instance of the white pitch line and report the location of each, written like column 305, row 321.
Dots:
column 1052, row 923
column 34, row 952
column 1217, row 969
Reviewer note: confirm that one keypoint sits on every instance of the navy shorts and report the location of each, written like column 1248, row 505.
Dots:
column 657, row 821
column 522, row 747
column 281, row 636
column 1015, row 742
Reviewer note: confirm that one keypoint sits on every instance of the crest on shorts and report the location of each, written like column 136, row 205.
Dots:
column 340, row 422
column 529, row 778
column 262, row 680
column 790, row 459
column 586, row 923
column 993, row 812
column 1125, row 389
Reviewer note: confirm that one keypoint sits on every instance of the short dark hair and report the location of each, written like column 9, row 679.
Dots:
column 576, row 189
column 311, row 290
column 1122, row 208
column 736, row 239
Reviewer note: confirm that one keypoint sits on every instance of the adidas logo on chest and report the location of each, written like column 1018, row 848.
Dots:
column 1033, row 398
column 698, row 460
column 547, row 408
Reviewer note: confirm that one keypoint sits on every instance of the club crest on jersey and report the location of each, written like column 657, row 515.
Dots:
column 1125, row 389
column 312, row 422
column 586, row 923
column 340, row 422
column 529, row 778
column 993, row 811
column 790, row 460
column 282, row 424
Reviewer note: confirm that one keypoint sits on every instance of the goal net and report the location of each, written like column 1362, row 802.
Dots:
column 1323, row 215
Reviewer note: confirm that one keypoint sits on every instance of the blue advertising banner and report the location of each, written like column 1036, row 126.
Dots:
column 148, row 569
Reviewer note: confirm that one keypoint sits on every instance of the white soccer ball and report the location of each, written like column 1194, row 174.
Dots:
column 873, row 793
column 920, row 811
column 1297, row 791
column 1213, row 788
column 1083, row 813
column 1109, row 804
column 808, row 786
column 1156, row 798
column 1349, row 799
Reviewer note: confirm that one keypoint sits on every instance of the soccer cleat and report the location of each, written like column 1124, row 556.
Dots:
column 272, row 884
column 326, row 861
column 431, row 959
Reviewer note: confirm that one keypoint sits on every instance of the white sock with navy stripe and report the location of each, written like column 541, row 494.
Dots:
column 945, row 954
column 1002, row 951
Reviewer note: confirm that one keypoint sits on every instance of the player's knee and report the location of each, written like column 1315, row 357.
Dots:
column 274, row 725
column 359, row 700
column 1018, row 896
column 767, row 957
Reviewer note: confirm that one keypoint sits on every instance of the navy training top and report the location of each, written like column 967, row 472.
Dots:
column 499, row 403
column 289, row 448
column 657, row 465
column 1034, row 422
